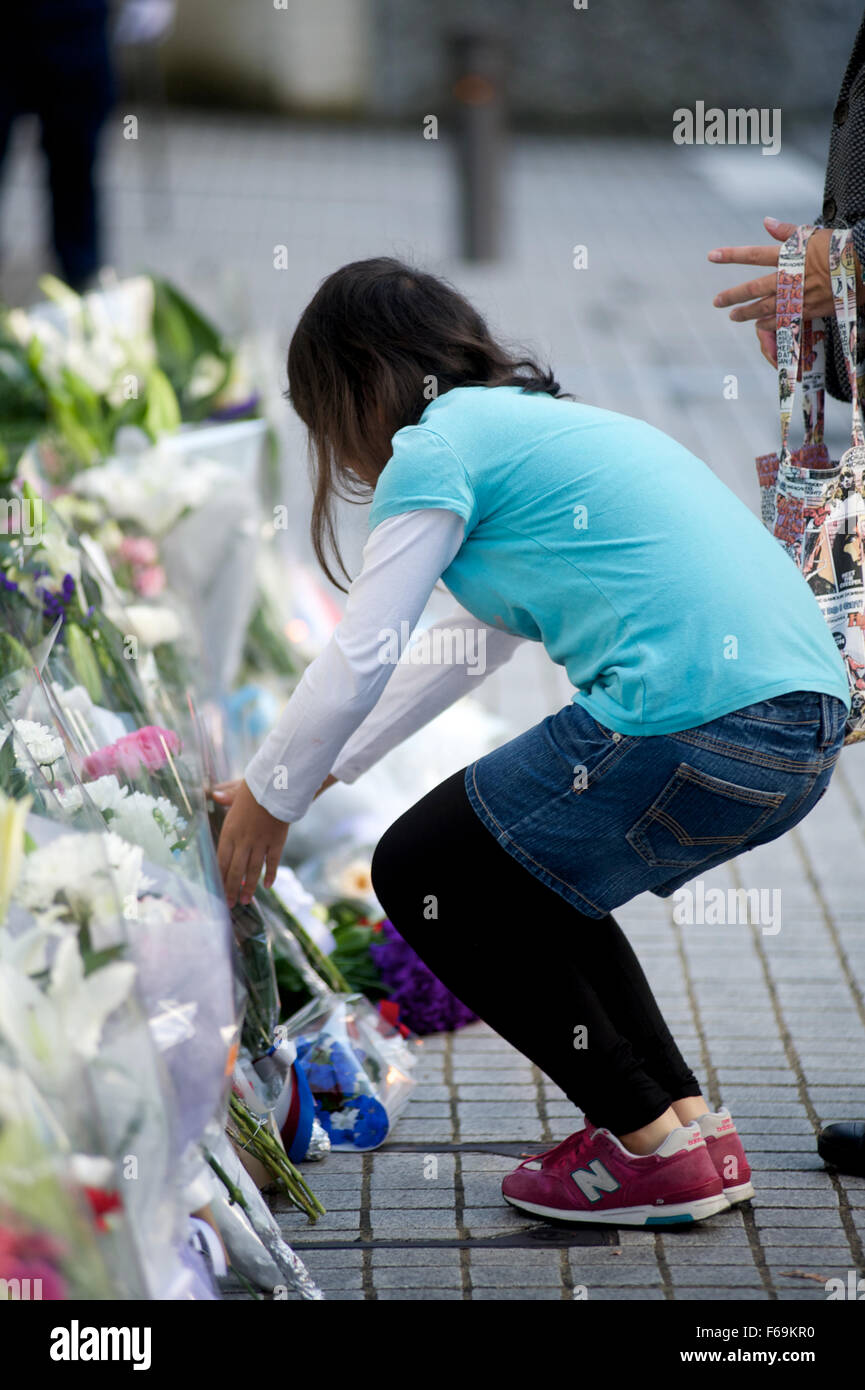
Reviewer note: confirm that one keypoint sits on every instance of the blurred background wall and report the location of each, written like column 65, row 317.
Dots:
column 317, row 58
column 256, row 145
column 388, row 58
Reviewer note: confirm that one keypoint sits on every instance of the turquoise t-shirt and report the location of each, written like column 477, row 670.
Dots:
column 663, row 596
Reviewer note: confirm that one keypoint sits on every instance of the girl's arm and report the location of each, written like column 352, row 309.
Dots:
column 458, row 653
column 402, row 561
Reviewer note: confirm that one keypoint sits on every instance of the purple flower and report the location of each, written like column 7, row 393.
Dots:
column 236, row 411
column 8, row 584
column 425, row 1004
column 56, row 601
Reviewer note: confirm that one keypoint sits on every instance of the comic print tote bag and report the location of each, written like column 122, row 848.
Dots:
column 814, row 506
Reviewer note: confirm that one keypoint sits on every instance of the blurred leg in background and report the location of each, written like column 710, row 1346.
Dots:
column 57, row 66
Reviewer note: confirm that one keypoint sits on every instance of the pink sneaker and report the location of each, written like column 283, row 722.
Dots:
column 592, row 1177
column 726, row 1152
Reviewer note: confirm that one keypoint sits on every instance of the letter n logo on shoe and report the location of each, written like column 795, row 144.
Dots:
column 594, row 1180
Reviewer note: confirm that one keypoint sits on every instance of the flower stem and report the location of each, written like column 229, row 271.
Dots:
column 255, row 1138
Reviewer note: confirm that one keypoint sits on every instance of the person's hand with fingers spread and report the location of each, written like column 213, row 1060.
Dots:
column 756, row 299
column 251, row 839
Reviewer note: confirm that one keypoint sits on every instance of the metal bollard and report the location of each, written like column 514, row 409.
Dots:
column 478, row 65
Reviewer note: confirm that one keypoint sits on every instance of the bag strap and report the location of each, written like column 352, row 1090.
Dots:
column 789, row 294
column 842, row 271
column 813, row 378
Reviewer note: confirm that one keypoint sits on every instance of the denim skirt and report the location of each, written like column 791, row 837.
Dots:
column 600, row 816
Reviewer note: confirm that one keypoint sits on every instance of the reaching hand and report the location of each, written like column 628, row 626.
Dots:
column 757, row 297
column 251, row 839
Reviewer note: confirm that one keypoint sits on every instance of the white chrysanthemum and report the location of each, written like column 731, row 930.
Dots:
column 89, row 879
column 43, row 745
column 151, row 822
column 106, row 794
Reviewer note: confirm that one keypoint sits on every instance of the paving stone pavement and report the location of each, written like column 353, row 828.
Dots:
column 772, row 1021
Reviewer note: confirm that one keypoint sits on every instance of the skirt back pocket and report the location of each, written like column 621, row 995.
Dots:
column 697, row 817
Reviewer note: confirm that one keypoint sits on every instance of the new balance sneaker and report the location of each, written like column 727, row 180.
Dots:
column 726, row 1152
column 592, row 1177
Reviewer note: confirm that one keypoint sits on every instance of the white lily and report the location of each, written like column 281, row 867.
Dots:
column 13, row 816
column 60, row 557
column 84, row 1002
column 151, row 489
column 153, row 624
column 48, row 1032
column 29, row 950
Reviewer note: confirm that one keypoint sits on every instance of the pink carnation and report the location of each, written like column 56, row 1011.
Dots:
column 138, row 550
column 148, row 580
column 51, row 1285
column 141, row 749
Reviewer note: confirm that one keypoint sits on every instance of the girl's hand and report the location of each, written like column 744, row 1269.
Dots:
column 250, row 839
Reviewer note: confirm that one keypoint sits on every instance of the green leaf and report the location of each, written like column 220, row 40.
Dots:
column 181, row 331
column 84, row 399
column 163, row 412
column 84, row 661
column 13, row 656
column 76, row 436
column 347, row 911
column 353, row 941
column 12, row 780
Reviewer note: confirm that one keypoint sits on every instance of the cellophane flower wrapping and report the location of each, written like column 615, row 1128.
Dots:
column 116, row 895
column 250, row 1232
column 357, row 1065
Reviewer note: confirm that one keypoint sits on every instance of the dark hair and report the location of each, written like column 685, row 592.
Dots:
column 374, row 339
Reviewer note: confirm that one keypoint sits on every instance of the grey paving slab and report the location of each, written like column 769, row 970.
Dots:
column 734, row 1294
column 529, row 1295
column 471, row 1112
column 516, row 1275
column 403, row 1198
column 798, row 1218
column 334, row 1281
column 388, row 1257
column 788, row 1201
column 714, row 1276
column 428, row 1277
column 349, row 1259
column 405, row 1295
column 629, row 1295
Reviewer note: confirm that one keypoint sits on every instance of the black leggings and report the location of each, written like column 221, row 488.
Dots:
column 528, row 963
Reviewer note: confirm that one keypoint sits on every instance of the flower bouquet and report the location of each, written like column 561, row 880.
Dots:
column 145, row 431
column 357, row 1067
column 97, row 788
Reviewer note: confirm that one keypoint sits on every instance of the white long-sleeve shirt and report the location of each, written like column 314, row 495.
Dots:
column 370, row 688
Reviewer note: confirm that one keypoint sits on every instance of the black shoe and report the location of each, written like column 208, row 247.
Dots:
column 843, row 1145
